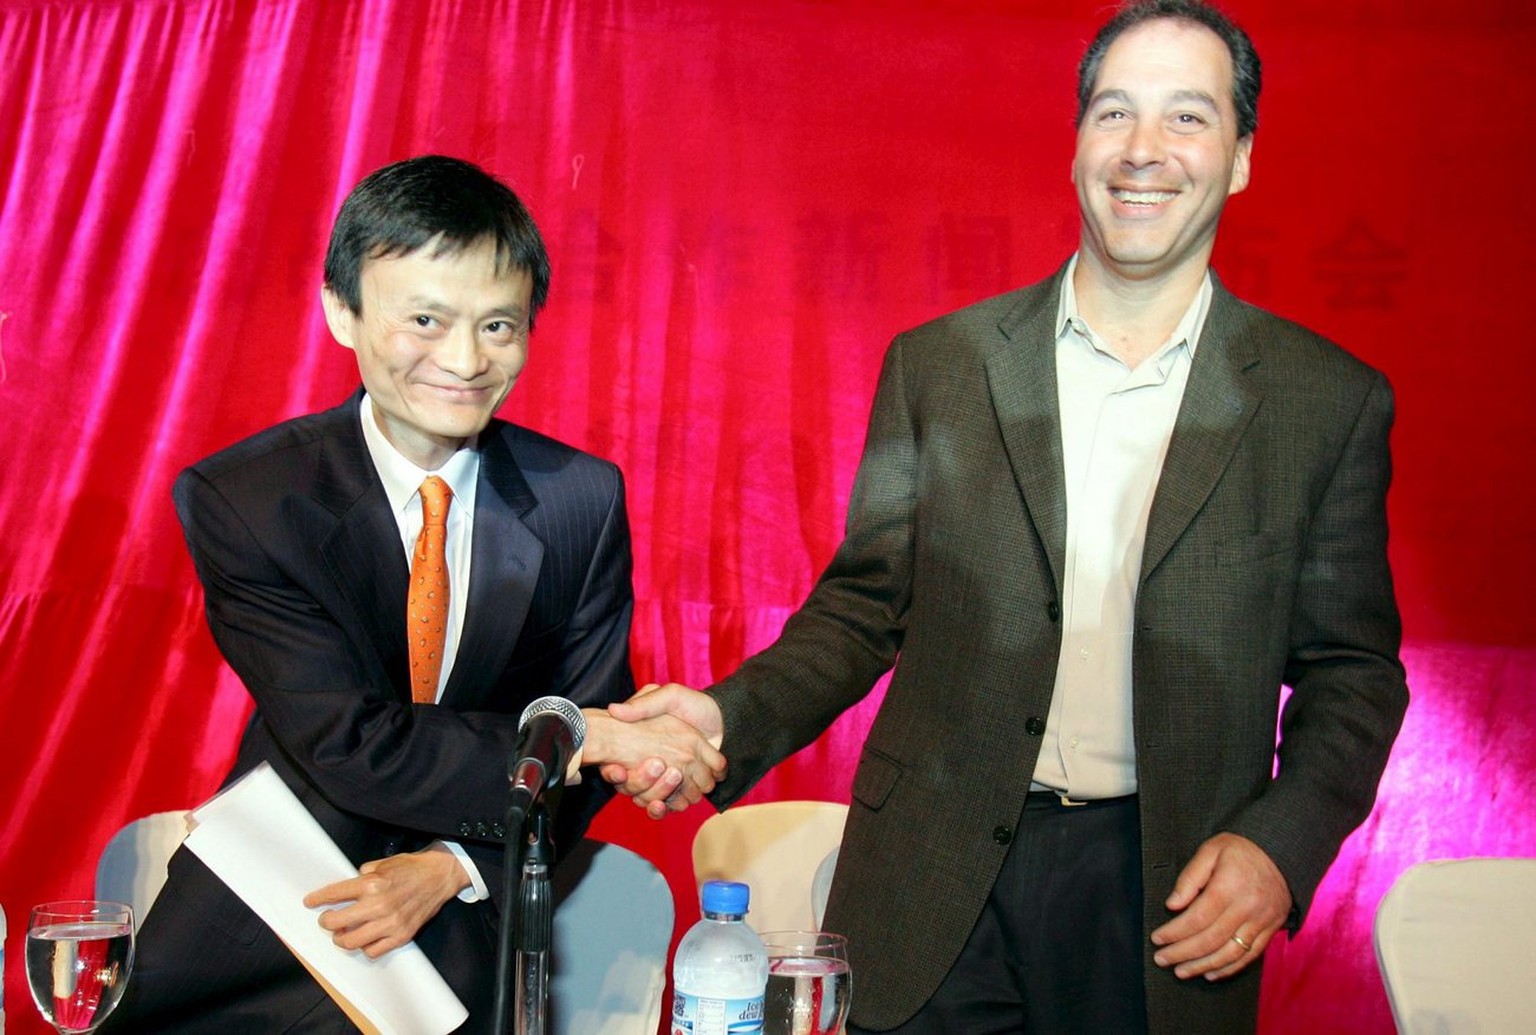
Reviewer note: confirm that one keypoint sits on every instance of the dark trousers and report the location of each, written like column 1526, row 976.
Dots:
column 1059, row 946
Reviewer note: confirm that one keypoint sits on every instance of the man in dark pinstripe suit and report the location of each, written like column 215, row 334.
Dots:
column 302, row 538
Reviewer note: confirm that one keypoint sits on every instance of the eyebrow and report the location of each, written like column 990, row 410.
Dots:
column 507, row 312
column 425, row 302
column 1199, row 97
column 1109, row 95
column 433, row 305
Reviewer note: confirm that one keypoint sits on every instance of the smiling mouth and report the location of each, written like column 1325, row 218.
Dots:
column 457, row 386
column 1142, row 197
column 460, row 393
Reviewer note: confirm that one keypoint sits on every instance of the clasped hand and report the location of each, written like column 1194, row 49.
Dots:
column 661, row 747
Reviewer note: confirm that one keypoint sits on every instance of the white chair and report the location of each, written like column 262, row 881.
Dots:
column 132, row 866
column 777, row 848
column 821, row 885
column 1456, row 943
column 613, row 926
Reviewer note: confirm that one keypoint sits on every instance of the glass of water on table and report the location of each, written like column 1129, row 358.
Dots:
column 809, row 984
column 79, row 955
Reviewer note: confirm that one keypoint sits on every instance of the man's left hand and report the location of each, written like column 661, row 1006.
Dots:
column 390, row 899
column 1231, row 899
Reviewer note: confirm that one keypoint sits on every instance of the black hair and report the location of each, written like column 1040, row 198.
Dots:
column 432, row 198
column 1246, row 79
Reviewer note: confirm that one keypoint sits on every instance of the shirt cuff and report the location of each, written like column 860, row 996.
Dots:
column 477, row 891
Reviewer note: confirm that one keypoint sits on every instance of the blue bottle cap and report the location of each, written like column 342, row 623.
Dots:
column 728, row 897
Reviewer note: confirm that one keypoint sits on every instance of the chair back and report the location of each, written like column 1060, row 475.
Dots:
column 1456, row 943
column 613, row 926
column 776, row 848
column 132, row 866
column 821, row 885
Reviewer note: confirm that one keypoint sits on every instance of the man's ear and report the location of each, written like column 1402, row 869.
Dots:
column 1241, row 165
column 341, row 320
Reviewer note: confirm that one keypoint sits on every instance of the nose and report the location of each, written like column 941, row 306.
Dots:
column 1144, row 145
column 460, row 354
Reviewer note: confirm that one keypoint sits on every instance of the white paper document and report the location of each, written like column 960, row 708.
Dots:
column 262, row 842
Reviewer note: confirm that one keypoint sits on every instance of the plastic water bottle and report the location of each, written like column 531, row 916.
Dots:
column 721, row 968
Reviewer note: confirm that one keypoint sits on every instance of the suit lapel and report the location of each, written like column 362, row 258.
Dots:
column 1022, row 379
column 1219, row 402
column 372, row 578
column 504, row 568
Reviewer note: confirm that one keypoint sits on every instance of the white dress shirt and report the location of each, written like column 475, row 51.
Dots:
column 402, row 486
column 1116, row 423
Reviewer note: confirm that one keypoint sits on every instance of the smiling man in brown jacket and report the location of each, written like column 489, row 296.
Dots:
column 1098, row 523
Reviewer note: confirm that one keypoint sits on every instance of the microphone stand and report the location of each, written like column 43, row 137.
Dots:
column 550, row 731
column 536, row 926
column 528, row 916
column 511, row 873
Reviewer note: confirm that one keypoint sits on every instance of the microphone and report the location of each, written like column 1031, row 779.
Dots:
column 551, row 732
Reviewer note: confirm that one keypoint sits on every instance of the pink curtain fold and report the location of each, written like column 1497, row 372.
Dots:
column 743, row 203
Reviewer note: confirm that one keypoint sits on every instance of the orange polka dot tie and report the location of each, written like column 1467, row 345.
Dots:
column 426, row 606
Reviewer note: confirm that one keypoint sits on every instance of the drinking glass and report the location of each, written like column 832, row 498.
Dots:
column 78, row 958
column 809, row 983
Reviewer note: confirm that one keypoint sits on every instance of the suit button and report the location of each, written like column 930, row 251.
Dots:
column 1002, row 835
column 481, row 830
column 498, row 831
column 1034, row 725
column 1053, row 611
column 465, row 829
column 391, row 847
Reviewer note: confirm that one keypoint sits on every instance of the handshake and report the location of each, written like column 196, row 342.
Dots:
column 661, row 747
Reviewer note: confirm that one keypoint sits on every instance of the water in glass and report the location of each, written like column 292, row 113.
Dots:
column 79, row 956
column 806, row 996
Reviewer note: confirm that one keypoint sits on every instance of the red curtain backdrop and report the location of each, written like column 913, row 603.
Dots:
column 743, row 203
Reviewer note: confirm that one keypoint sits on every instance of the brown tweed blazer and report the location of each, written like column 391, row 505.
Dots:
column 1265, row 564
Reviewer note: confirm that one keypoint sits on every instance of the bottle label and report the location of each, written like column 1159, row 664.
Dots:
column 703, row 1015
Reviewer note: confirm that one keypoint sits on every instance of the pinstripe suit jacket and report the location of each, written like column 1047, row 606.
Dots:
column 305, row 586
column 1265, row 564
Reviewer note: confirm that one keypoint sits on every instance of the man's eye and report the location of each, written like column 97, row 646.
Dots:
column 423, row 320
column 502, row 328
